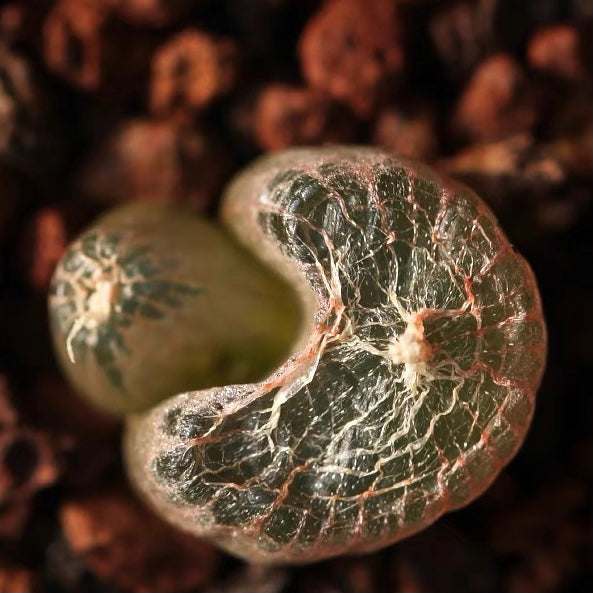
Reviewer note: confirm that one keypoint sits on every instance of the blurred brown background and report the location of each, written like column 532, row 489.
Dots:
column 106, row 101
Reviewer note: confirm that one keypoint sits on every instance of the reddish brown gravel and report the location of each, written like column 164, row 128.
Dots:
column 556, row 51
column 291, row 116
column 190, row 71
column 150, row 12
column 16, row 579
column 352, row 50
column 497, row 101
column 128, row 547
column 152, row 160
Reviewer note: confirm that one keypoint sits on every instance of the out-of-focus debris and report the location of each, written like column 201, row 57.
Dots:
column 516, row 158
column 16, row 579
column 72, row 42
column 462, row 33
column 8, row 415
column 458, row 563
column 190, row 71
column 10, row 190
column 522, row 180
column 92, row 437
column 46, row 241
column 28, row 463
column 91, row 51
column 411, row 134
column 255, row 578
column 27, row 128
column 497, row 102
column 352, row 50
column 152, row 160
column 555, row 50
column 150, row 12
column 21, row 21
column 574, row 152
column 290, row 116
column 125, row 545
column 13, row 520
column 544, row 537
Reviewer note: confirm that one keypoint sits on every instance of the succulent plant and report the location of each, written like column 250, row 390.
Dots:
column 413, row 343
column 151, row 301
